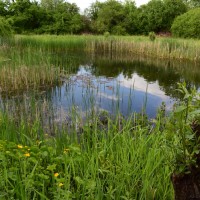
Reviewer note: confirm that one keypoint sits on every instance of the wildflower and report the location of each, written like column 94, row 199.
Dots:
column 27, row 154
column 19, row 146
column 66, row 150
column 60, row 184
column 56, row 174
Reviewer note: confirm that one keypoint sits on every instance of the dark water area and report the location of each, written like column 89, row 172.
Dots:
column 98, row 83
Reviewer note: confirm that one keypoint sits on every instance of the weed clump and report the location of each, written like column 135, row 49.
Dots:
column 152, row 36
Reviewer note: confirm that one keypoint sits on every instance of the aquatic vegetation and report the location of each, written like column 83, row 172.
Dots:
column 23, row 78
column 165, row 48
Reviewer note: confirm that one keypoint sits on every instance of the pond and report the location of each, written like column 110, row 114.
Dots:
column 98, row 84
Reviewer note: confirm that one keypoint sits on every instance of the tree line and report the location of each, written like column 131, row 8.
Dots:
column 112, row 16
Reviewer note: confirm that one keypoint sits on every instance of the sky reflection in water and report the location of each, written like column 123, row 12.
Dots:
column 121, row 94
column 101, row 84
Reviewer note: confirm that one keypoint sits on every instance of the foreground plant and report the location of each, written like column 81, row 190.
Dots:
column 110, row 163
column 185, row 127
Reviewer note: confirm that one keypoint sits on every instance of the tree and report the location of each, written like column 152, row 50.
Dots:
column 192, row 3
column 108, row 17
column 67, row 19
column 158, row 15
column 3, row 8
column 150, row 17
column 130, row 21
column 50, row 5
column 5, row 28
column 172, row 9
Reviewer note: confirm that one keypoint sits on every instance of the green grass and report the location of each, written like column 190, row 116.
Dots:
column 131, row 163
column 164, row 48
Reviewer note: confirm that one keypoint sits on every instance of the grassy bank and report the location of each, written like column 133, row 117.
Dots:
column 130, row 163
column 164, row 48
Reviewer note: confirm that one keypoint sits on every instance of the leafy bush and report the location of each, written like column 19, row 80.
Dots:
column 106, row 34
column 187, row 25
column 5, row 28
column 119, row 30
column 152, row 36
column 184, row 122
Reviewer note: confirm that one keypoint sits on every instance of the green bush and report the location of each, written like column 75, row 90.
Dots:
column 187, row 25
column 152, row 36
column 5, row 28
column 106, row 34
column 118, row 30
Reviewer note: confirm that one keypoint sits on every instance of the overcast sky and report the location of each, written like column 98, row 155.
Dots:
column 82, row 4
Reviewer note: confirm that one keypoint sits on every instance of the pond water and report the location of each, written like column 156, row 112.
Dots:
column 98, row 83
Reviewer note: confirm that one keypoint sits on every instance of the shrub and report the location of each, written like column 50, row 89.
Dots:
column 5, row 28
column 152, row 36
column 118, row 30
column 106, row 34
column 187, row 25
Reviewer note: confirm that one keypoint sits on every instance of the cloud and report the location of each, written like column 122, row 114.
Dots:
column 140, row 84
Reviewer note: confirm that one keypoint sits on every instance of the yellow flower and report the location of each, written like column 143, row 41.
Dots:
column 66, row 150
column 19, row 146
column 56, row 174
column 60, row 184
column 27, row 154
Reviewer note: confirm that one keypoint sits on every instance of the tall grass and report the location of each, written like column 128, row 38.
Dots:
column 26, row 78
column 165, row 48
column 131, row 163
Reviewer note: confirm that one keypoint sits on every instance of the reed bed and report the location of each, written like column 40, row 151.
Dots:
column 51, row 43
column 164, row 48
column 170, row 48
column 24, row 69
column 26, row 78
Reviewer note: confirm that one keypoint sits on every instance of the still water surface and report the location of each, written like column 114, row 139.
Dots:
column 115, row 85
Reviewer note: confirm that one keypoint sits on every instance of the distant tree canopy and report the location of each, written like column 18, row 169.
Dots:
column 113, row 16
column 192, row 3
column 124, row 18
column 49, row 16
column 187, row 25
column 158, row 15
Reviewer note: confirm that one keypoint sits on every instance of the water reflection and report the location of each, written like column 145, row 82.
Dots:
column 125, row 85
column 122, row 93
